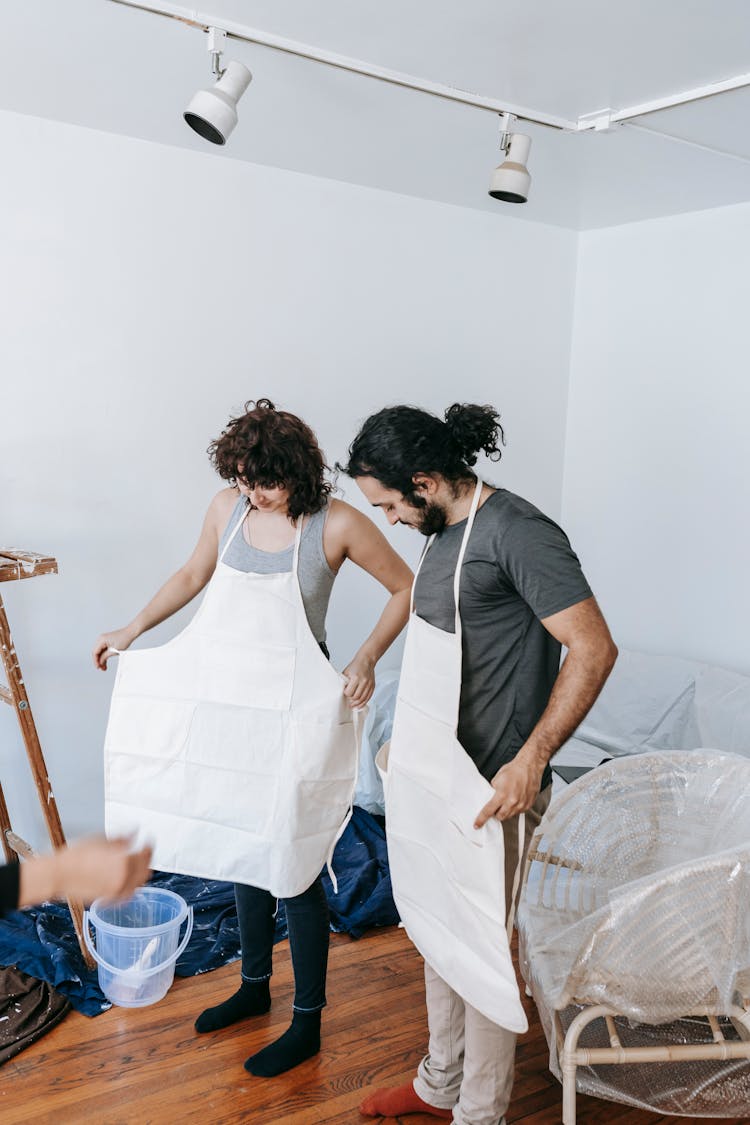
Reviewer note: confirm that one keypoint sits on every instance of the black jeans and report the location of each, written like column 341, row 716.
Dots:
column 307, row 919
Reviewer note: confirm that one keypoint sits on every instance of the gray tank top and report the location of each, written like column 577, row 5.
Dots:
column 315, row 575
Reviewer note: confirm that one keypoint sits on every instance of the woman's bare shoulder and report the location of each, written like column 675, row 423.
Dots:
column 221, row 508
column 343, row 513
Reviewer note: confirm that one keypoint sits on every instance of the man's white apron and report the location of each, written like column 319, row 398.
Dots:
column 232, row 747
column 448, row 877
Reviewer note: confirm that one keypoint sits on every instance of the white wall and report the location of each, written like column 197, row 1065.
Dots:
column 146, row 292
column 657, row 487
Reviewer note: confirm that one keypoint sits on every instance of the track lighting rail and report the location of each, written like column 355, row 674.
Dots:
column 601, row 120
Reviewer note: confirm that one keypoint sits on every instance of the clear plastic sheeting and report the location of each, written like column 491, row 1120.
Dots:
column 635, row 922
column 699, row 1088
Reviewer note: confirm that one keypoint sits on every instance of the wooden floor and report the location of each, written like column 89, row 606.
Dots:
column 148, row 1066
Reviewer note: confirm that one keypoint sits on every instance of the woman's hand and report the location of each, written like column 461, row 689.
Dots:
column 119, row 639
column 178, row 590
column 360, row 681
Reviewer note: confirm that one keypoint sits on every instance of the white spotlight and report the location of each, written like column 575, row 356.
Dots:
column 213, row 113
column 511, row 181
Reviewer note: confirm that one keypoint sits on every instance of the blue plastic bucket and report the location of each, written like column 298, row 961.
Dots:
column 137, row 944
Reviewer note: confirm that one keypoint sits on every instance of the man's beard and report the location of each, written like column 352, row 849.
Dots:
column 431, row 519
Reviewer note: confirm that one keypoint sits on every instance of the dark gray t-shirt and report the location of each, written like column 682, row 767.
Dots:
column 519, row 567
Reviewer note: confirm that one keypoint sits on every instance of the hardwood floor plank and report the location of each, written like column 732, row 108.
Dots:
column 149, row 1067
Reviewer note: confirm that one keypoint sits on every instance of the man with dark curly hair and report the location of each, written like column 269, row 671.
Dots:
column 482, row 706
column 234, row 745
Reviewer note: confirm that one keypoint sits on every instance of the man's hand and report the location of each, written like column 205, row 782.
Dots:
column 591, row 655
column 516, row 787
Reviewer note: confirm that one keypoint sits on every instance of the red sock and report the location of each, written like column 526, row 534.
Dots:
column 398, row 1100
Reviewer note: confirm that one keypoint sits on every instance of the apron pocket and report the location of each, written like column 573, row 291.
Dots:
column 246, row 675
column 230, row 799
column 445, row 856
column 313, row 810
column 209, row 801
column 167, row 671
column 322, row 751
column 238, row 738
column 148, row 728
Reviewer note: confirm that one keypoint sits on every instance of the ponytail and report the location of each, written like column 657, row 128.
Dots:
column 474, row 429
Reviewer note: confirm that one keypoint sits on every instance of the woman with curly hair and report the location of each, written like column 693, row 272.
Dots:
column 235, row 745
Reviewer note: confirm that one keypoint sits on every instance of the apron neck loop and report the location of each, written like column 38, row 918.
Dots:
column 243, row 516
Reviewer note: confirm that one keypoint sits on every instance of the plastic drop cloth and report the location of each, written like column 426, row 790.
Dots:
column 647, row 911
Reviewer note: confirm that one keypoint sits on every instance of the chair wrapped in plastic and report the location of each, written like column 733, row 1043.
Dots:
column 634, row 934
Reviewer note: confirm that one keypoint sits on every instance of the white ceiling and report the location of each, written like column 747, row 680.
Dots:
column 98, row 64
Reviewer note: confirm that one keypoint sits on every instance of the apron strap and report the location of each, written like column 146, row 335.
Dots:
column 425, row 549
column 297, row 541
column 243, row 516
column 358, row 718
column 517, row 876
column 462, row 552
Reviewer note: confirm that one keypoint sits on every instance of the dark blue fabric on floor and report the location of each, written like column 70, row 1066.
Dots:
column 360, row 864
column 41, row 941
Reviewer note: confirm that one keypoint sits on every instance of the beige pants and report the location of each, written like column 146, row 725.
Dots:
column 470, row 1060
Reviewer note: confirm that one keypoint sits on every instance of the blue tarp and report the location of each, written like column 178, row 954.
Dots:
column 41, row 941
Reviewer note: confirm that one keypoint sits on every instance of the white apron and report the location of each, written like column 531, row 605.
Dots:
column 232, row 747
column 448, row 877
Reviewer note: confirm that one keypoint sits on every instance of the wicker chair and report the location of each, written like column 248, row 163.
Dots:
column 636, row 911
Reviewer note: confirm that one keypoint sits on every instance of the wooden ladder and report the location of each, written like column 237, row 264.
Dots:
column 16, row 565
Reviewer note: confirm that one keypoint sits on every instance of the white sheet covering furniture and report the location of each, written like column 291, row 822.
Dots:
column 663, row 703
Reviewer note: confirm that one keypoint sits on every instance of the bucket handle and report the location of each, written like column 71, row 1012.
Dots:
column 145, row 972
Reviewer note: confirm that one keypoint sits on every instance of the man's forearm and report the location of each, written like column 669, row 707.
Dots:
column 580, row 679
column 591, row 656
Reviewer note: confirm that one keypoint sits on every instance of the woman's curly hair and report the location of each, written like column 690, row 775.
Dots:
column 275, row 449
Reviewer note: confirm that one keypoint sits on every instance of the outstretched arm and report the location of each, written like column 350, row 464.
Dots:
column 92, row 868
column 178, row 590
column 590, row 658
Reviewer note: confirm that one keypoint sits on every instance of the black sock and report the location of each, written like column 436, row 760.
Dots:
column 300, row 1041
column 252, row 998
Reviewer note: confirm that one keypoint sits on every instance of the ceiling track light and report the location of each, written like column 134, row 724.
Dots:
column 510, row 182
column 213, row 113
column 203, row 113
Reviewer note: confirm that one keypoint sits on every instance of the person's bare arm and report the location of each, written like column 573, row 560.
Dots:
column 93, row 868
column 351, row 535
column 590, row 658
column 178, row 590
